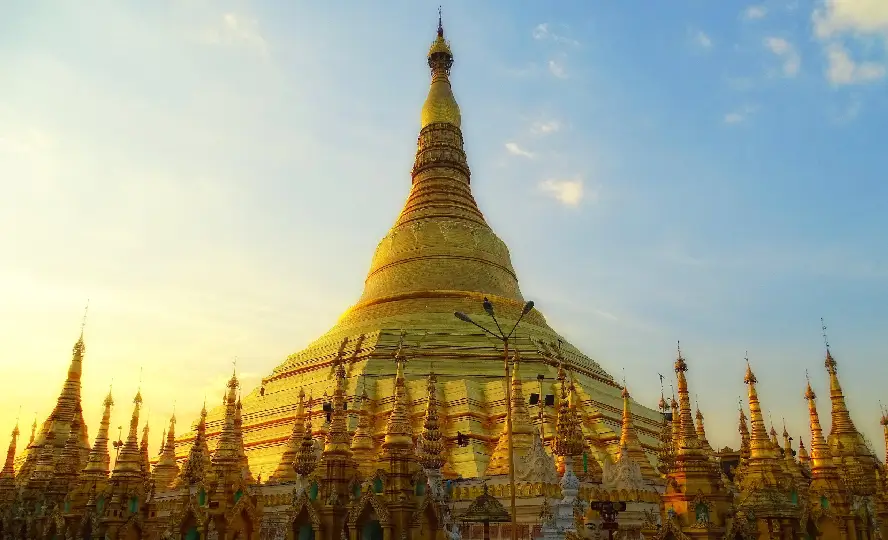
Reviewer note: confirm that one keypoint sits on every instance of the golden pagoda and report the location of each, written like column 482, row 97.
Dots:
column 767, row 500
column 439, row 257
column 696, row 502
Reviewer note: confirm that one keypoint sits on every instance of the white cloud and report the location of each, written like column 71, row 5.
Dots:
column 556, row 69
column 792, row 62
column 543, row 31
column 233, row 28
column 740, row 115
column 853, row 16
column 843, row 70
column 568, row 192
column 516, row 150
column 755, row 12
column 703, row 40
column 546, row 128
column 859, row 20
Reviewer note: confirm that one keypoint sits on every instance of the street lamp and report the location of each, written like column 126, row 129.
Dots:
column 504, row 337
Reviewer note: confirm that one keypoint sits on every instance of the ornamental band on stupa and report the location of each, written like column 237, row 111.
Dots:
column 376, row 431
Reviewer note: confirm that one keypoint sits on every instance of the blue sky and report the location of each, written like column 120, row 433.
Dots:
column 214, row 176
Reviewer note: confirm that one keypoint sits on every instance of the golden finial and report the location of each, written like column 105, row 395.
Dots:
column 440, row 106
column 83, row 322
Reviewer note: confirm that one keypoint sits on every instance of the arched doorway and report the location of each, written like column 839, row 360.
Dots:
column 189, row 528
column 303, row 529
column 368, row 525
column 810, row 530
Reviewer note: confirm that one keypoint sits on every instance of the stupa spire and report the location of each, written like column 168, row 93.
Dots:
column 247, row 474
column 362, row 447
column 398, row 433
column 8, row 466
column 285, row 470
column 98, row 465
column 337, row 438
column 568, row 432
column 804, row 457
column 306, row 459
column 440, row 226
column 701, row 430
column 129, row 464
column 841, row 418
column 745, row 446
column 884, row 422
column 522, row 428
column 166, row 469
column 628, row 436
column 821, row 458
column 144, row 458
column 197, row 464
column 226, row 459
column 688, row 438
column 761, row 446
column 431, row 447
column 7, row 474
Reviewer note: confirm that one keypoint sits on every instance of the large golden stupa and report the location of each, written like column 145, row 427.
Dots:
column 439, row 257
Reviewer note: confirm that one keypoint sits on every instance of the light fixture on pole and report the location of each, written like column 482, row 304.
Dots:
column 504, row 338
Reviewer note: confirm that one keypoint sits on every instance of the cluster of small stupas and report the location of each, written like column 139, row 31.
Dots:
column 392, row 426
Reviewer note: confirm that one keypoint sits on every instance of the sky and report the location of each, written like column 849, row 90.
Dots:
column 212, row 177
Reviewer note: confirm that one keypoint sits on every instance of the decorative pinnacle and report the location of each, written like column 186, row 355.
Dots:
column 440, row 23
column 83, row 322
column 680, row 364
column 809, row 392
column 750, row 376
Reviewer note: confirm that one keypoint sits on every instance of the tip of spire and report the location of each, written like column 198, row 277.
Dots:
column 809, row 392
column 440, row 23
column 749, row 378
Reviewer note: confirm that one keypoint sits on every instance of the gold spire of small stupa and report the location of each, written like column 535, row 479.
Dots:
column 522, row 428
column 841, row 418
column 701, row 431
column 745, row 446
column 99, row 464
column 306, row 459
column 166, row 469
column 821, row 458
column 144, row 458
column 362, row 447
column 7, row 474
column 568, row 434
column 398, row 432
column 337, row 438
column 804, row 458
column 285, row 470
column 128, row 465
column 761, row 446
column 431, row 448
column 197, row 464
column 688, row 443
column 9, row 465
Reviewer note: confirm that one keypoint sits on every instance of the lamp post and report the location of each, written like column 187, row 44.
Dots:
column 504, row 337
